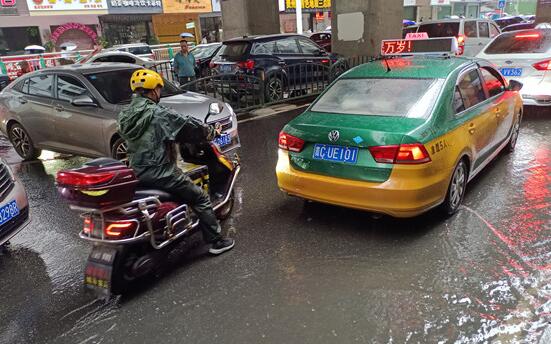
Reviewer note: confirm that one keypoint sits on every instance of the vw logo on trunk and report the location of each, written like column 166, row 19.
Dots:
column 333, row 135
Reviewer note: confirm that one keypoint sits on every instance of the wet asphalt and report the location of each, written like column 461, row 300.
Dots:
column 304, row 273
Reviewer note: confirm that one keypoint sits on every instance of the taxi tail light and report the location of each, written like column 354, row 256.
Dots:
column 290, row 142
column 120, row 229
column 461, row 43
column 414, row 153
column 543, row 65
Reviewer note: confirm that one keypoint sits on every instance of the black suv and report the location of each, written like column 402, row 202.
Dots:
column 285, row 62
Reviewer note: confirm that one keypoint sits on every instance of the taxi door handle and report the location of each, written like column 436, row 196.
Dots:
column 472, row 128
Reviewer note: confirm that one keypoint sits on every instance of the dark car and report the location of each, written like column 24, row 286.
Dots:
column 323, row 39
column 516, row 27
column 4, row 81
column 284, row 61
column 203, row 54
column 506, row 21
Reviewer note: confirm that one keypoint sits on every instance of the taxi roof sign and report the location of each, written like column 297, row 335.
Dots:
column 430, row 46
column 417, row 35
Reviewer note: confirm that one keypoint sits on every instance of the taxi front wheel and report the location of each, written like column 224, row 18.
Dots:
column 456, row 189
column 514, row 134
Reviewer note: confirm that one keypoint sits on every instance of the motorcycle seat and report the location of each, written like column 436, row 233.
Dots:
column 161, row 194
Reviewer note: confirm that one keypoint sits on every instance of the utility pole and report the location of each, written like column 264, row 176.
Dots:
column 299, row 16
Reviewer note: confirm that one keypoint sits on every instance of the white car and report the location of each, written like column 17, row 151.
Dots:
column 524, row 56
column 122, row 57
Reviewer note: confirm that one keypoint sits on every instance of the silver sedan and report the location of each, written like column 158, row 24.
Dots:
column 73, row 109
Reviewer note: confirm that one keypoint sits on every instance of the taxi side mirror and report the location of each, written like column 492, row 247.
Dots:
column 514, row 85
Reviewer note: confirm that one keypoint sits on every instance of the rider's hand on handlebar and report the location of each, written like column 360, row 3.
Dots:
column 218, row 129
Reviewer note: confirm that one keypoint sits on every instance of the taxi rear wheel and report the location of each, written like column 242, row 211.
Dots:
column 456, row 189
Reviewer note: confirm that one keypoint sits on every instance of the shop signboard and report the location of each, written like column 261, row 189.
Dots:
column 308, row 5
column 8, row 7
column 187, row 6
column 134, row 6
column 66, row 5
column 440, row 3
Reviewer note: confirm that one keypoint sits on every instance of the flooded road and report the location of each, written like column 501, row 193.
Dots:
column 302, row 272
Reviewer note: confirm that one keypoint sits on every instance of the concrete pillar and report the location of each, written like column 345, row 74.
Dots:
column 249, row 17
column 358, row 26
column 543, row 12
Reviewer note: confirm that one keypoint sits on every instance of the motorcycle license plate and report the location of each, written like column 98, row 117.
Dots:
column 98, row 272
column 347, row 155
column 8, row 212
column 223, row 140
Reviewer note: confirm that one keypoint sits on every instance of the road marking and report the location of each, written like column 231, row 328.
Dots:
column 271, row 114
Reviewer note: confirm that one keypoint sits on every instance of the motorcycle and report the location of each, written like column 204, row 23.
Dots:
column 135, row 229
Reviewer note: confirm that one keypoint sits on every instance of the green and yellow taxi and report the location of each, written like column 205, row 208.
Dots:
column 400, row 136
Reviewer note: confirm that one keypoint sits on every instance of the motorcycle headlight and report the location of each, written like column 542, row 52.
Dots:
column 215, row 108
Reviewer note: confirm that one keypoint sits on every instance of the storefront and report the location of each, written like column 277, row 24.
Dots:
column 67, row 21
column 180, row 16
column 211, row 24
column 316, row 15
column 120, row 28
column 13, row 37
column 446, row 8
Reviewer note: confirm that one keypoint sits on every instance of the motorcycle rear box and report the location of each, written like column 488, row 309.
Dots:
column 100, row 183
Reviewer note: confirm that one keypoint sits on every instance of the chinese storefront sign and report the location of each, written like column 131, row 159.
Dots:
column 187, row 6
column 66, row 5
column 134, row 6
column 8, row 7
column 308, row 5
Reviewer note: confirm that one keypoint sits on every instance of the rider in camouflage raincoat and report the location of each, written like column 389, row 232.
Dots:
column 150, row 131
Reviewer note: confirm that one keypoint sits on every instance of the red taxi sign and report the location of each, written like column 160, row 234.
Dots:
column 417, row 35
column 430, row 46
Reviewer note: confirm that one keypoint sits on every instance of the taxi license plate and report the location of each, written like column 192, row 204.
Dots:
column 223, row 140
column 511, row 71
column 8, row 212
column 347, row 155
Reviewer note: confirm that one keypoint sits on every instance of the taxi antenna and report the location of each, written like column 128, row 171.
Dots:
column 387, row 65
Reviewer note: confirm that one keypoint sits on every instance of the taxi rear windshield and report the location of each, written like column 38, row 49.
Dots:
column 412, row 98
column 447, row 29
column 520, row 42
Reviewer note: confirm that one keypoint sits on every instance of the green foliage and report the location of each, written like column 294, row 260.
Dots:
column 154, row 40
column 49, row 46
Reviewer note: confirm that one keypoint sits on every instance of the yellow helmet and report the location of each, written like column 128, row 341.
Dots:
column 146, row 79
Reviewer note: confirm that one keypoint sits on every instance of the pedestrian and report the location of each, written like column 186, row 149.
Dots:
column 184, row 64
column 24, row 68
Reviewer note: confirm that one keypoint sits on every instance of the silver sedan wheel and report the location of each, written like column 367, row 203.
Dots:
column 21, row 141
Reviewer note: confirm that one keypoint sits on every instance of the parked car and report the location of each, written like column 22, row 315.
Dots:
column 74, row 108
column 4, row 81
column 122, row 57
column 285, row 60
column 203, row 54
column 323, row 39
column 140, row 49
column 525, row 56
column 506, row 21
column 14, row 206
column 472, row 34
